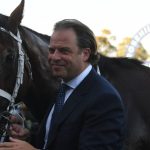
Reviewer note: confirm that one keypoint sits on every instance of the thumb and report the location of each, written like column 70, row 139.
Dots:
column 13, row 139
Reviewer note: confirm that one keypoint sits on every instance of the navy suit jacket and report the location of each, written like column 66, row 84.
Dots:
column 92, row 119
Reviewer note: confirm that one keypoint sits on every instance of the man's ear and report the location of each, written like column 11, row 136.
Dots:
column 86, row 53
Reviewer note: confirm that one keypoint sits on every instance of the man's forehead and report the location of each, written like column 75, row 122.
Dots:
column 63, row 36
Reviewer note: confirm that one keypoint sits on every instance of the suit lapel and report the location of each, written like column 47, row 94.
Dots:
column 70, row 105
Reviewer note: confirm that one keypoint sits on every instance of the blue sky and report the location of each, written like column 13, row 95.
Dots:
column 123, row 17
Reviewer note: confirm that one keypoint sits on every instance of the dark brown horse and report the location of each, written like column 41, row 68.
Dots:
column 129, row 76
column 24, row 68
column 132, row 80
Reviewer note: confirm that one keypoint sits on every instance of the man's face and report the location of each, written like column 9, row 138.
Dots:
column 66, row 59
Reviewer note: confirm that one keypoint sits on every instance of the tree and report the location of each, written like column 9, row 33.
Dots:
column 107, row 47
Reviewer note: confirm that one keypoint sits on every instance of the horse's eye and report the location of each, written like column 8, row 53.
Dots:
column 10, row 55
column 10, row 58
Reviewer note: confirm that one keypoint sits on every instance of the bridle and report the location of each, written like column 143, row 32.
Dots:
column 20, row 72
column 19, row 79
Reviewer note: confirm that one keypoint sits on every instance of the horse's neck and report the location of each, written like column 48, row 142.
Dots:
column 37, row 51
column 108, row 67
column 43, row 86
column 103, row 64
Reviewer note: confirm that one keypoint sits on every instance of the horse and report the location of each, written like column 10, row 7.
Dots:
column 24, row 69
column 128, row 76
column 132, row 80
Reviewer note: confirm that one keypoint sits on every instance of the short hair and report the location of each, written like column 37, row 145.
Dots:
column 85, row 36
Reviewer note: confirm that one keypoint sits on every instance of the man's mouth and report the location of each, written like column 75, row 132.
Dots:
column 57, row 66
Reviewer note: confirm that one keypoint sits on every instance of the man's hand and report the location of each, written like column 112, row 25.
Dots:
column 16, row 144
column 17, row 131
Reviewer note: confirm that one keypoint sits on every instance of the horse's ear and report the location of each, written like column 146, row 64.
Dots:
column 16, row 17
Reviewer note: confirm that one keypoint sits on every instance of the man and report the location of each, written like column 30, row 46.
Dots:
column 92, row 117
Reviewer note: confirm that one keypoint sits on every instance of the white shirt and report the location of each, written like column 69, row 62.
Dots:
column 73, row 84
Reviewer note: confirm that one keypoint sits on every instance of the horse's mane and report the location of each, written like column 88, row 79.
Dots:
column 121, row 61
column 45, row 37
column 120, row 64
column 4, row 22
column 127, row 62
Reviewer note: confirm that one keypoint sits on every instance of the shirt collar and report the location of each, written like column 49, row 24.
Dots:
column 78, row 79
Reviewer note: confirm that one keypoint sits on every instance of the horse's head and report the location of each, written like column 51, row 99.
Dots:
column 10, row 44
column 11, row 60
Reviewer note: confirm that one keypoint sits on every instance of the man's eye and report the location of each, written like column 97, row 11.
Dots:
column 64, row 50
column 51, row 50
